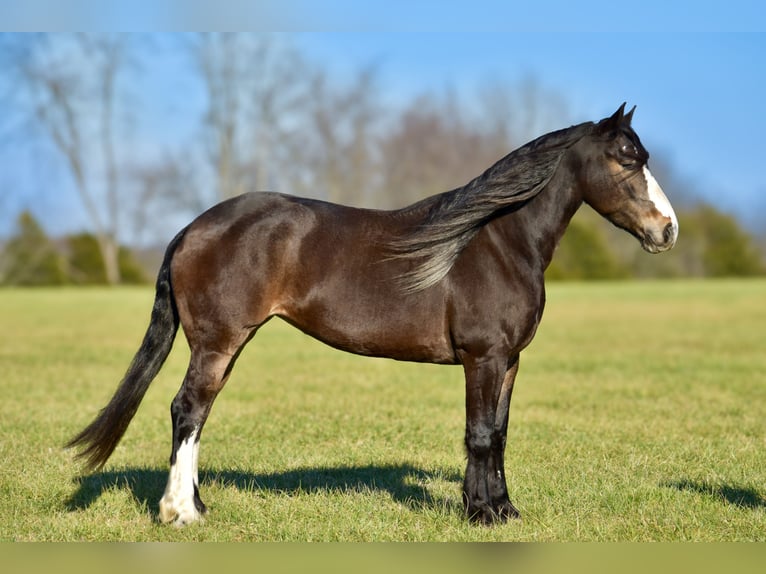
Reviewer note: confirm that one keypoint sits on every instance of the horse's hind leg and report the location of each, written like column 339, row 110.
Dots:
column 205, row 377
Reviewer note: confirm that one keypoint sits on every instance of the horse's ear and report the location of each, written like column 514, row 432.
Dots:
column 628, row 118
column 611, row 124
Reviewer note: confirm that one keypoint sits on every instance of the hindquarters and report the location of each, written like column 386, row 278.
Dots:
column 229, row 272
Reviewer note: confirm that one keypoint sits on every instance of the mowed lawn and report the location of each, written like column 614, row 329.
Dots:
column 639, row 414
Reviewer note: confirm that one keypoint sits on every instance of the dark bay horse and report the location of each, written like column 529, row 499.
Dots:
column 456, row 278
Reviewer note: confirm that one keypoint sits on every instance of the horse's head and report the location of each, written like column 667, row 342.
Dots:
column 617, row 183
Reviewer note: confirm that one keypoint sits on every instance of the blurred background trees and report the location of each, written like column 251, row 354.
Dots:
column 31, row 258
column 273, row 119
column 68, row 85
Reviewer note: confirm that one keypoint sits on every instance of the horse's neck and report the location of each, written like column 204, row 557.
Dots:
column 540, row 224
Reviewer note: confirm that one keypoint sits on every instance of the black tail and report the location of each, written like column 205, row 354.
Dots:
column 99, row 439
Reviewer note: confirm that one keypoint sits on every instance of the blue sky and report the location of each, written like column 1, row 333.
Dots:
column 699, row 95
column 697, row 73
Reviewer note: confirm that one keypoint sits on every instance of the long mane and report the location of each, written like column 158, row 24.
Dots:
column 456, row 216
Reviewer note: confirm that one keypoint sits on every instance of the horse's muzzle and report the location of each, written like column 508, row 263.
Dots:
column 659, row 241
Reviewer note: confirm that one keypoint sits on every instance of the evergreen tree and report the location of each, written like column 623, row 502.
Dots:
column 30, row 258
column 728, row 249
column 131, row 271
column 86, row 264
column 584, row 254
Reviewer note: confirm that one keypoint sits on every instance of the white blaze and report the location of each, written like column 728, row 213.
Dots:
column 661, row 203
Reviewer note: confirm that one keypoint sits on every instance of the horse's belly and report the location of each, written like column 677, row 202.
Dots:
column 393, row 333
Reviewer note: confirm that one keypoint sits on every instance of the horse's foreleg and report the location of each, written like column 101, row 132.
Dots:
column 481, row 378
column 498, row 489
column 488, row 391
column 206, row 376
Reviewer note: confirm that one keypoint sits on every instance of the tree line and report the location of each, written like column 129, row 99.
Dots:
column 32, row 259
column 714, row 245
column 275, row 120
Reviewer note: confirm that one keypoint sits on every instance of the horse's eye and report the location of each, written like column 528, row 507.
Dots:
column 629, row 149
column 630, row 156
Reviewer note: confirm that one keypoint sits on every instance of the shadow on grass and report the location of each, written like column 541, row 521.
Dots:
column 405, row 483
column 730, row 494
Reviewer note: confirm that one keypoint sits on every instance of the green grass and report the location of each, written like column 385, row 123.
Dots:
column 639, row 414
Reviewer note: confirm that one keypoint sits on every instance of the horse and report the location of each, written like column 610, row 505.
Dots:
column 455, row 279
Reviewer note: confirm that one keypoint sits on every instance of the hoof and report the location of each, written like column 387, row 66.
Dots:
column 486, row 515
column 481, row 514
column 507, row 511
column 178, row 514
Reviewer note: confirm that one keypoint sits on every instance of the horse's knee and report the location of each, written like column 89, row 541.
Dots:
column 478, row 440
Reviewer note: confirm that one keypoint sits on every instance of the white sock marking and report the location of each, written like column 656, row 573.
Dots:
column 177, row 503
column 195, row 461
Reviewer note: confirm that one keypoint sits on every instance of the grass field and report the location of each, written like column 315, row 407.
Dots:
column 639, row 414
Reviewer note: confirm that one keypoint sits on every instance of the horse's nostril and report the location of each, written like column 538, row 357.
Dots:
column 668, row 233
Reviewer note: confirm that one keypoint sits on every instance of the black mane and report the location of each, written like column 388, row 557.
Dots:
column 456, row 216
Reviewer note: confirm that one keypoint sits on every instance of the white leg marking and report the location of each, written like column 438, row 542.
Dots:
column 177, row 504
column 660, row 201
column 195, row 461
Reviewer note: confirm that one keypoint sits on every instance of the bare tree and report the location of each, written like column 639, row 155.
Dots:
column 69, row 84
column 337, row 151
column 255, row 88
column 279, row 90
column 218, row 61
column 434, row 147
column 514, row 114
column 167, row 185
column 440, row 142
